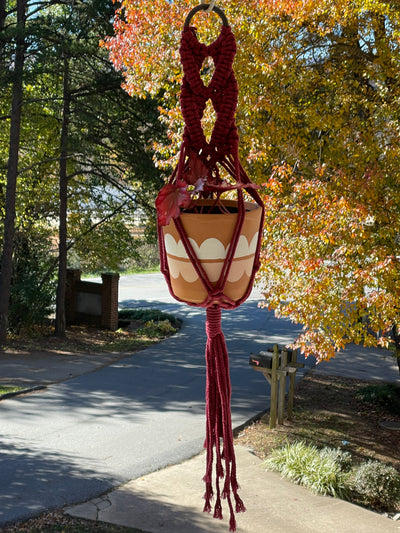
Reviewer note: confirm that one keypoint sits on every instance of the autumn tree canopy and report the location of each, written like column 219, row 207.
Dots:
column 318, row 117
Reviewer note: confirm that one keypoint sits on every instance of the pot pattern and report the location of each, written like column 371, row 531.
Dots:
column 211, row 253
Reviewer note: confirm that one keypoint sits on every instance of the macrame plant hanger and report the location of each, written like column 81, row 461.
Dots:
column 220, row 292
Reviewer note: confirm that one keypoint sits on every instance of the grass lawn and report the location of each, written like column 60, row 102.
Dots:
column 6, row 389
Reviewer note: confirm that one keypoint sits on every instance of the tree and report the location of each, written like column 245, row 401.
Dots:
column 12, row 167
column 78, row 42
column 63, row 197
column 104, row 156
column 318, row 116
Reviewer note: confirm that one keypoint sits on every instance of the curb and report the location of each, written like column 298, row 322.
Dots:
column 21, row 391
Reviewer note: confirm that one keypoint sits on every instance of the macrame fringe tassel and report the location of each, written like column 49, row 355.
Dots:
column 219, row 426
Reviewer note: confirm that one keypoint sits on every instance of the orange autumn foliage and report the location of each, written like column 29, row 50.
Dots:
column 318, row 116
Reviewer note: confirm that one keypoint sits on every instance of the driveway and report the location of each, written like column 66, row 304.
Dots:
column 79, row 438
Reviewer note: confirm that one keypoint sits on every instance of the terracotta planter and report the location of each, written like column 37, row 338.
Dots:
column 210, row 235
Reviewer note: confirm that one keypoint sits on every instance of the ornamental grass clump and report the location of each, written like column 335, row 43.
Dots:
column 306, row 465
column 378, row 485
column 341, row 457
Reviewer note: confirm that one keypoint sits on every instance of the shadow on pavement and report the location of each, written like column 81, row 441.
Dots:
column 36, row 480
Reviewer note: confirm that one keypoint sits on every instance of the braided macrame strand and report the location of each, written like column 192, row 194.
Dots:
column 222, row 90
column 219, row 425
column 222, row 149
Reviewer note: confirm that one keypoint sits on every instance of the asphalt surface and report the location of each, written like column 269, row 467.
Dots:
column 81, row 437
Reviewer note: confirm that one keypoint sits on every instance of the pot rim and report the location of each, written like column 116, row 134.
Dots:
column 204, row 202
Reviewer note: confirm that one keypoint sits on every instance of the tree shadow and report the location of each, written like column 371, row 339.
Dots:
column 35, row 480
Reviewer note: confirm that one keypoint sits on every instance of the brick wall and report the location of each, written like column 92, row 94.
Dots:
column 92, row 303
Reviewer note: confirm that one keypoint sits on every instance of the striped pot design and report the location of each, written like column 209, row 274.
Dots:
column 210, row 236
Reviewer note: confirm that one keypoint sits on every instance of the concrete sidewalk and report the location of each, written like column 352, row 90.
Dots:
column 169, row 501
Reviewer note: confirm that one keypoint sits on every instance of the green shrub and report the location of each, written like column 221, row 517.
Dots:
column 377, row 484
column 32, row 294
column 306, row 465
column 146, row 315
column 385, row 395
column 153, row 329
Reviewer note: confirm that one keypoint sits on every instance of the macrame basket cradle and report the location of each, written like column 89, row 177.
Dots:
column 209, row 254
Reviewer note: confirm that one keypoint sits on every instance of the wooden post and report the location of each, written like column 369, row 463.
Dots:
column 282, row 386
column 292, row 382
column 275, row 372
column 274, row 387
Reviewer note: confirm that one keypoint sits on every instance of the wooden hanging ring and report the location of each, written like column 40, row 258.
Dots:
column 204, row 7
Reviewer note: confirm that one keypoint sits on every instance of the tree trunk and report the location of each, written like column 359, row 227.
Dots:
column 2, row 25
column 12, row 171
column 396, row 338
column 63, row 189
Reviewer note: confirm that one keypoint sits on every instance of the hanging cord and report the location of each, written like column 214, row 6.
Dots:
column 219, row 424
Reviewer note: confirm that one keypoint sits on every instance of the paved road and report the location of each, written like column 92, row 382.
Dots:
column 79, row 438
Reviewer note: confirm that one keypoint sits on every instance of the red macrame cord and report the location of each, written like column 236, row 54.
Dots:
column 222, row 149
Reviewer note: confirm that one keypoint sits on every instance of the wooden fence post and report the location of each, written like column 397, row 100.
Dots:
column 282, row 386
column 274, row 387
column 292, row 382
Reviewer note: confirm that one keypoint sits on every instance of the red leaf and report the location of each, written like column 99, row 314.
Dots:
column 169, row 201
column 197, row 172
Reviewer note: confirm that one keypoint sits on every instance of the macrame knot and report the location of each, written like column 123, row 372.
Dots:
column 213, row 324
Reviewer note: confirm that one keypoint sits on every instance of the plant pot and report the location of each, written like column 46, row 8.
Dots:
column 210, row 235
